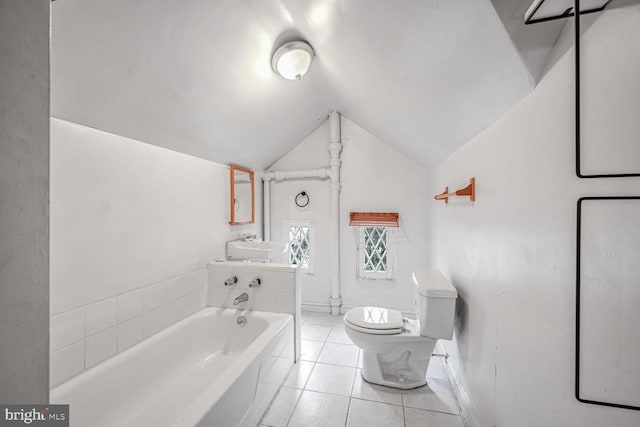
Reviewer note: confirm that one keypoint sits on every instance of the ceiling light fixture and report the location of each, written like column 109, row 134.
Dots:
column 292, row 59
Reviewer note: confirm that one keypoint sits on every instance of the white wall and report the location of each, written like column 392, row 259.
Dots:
column 512, row 254
column 24, row 199
column 375, row 177
column 133, row 227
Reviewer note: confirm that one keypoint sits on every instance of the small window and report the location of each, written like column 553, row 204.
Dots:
column 300, row 237
column 375, row 257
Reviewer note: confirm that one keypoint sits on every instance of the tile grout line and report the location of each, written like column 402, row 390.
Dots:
column 433, row 410
column 346, row 419
column 66, row 346
column 330, row 364
column 353, row 384
column 404, row 417
column 311, row 373
column 294, row 409
column 313, row 368
column 372, row 401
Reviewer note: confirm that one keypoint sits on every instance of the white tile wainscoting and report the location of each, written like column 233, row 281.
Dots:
column 326, row 388
column 279, row 290
column 87, row 335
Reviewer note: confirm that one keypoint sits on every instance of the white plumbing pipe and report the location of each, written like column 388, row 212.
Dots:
column 280, row 175
column 335, row 147
column 333, row 173
column 266, row 208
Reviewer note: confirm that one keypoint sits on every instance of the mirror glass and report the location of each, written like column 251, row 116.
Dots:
column 242, row 196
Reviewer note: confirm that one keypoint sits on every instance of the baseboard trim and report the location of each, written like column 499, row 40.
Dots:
column 326, row 308
column 458, row 388
column 316, row 307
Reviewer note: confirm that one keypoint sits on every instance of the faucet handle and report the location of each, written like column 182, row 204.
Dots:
column 255, row 282
column 248, row 237
column 231, row 281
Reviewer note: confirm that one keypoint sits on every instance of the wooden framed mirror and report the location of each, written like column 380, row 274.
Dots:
column 242, row 202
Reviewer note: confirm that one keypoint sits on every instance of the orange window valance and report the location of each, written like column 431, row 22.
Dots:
column 374, row 219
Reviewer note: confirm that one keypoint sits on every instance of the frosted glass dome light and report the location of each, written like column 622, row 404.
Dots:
column 292, row 60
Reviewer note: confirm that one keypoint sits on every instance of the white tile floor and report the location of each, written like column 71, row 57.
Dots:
column 325, row 389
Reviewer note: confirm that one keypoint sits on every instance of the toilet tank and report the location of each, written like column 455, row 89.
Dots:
column 435, row 303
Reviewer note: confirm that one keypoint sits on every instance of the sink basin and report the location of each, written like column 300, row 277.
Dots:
column 255, row 250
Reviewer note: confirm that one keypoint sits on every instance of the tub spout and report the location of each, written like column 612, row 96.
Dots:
column 242, row 298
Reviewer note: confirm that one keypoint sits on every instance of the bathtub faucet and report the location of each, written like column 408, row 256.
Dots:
column 242, row 298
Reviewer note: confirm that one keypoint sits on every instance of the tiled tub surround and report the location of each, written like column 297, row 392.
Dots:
column 279, row 291
column 88, row 335
column 325, row 389
column 205, row 370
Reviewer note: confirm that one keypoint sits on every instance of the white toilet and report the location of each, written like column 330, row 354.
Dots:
column 396, row 350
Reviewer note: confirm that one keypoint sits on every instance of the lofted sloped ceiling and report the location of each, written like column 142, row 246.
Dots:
column 195, row 75
column 535, row 42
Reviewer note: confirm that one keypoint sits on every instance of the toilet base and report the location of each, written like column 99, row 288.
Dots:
column 403, row 368
column 394, row 383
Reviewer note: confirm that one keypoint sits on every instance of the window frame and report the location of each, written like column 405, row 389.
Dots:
column 376, row 275
column 286, row 225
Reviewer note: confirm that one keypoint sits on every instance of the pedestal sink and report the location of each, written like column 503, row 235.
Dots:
column 255, row 250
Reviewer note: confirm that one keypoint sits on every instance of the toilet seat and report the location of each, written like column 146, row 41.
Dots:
column 373, row 331
column 374, row 320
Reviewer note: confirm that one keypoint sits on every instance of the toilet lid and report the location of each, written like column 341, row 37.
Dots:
column 375, row 318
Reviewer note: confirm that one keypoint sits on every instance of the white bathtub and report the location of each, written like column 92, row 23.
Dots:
column 205, row 370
